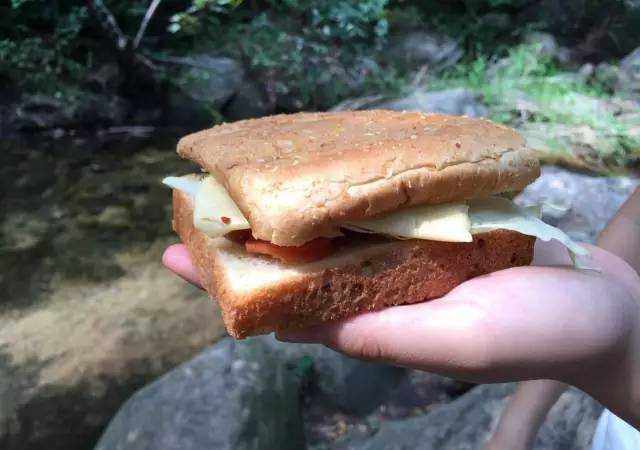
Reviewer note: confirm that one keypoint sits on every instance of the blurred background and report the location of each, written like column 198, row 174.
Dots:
column 95, row 95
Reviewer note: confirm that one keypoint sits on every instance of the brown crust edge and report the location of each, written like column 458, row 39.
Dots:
column 410, row 272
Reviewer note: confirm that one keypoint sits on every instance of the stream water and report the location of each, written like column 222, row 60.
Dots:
column 69, row 204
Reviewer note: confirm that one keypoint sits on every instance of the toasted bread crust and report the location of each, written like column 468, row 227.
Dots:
column 406, row 272
column 296, row 177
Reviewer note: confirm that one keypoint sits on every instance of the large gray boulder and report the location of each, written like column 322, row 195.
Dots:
column 629, row 75
column 206, row 79
column 248, row 102
column 232, row 396
column 463, row 424
column 348, row 384
column 466, row 424
column 204, row 84
column 419, row 48
column 578, row 203
column 547, row 46
column 456, row 101
column 245, row 395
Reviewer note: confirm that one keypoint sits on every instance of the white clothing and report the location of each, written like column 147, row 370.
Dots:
column 613, row 433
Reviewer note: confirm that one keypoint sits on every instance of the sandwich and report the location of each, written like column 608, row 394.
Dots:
column 300, row 219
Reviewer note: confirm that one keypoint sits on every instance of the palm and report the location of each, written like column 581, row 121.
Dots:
column 544, row 321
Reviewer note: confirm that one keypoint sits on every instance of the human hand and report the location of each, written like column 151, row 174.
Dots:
column 542, row 321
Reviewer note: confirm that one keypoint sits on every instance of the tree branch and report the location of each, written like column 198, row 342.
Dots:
column 145, row 21
column 109, row 23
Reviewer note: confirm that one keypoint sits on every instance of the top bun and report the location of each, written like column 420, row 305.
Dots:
column 299, row 176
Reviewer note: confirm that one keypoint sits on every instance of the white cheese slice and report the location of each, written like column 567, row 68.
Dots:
column 189, row 184
column 214, row 213
column 447, row 222
column 499, row 213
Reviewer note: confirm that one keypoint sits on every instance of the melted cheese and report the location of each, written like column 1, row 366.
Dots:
column 216, row 214
column 499, row 213
column 448, row 222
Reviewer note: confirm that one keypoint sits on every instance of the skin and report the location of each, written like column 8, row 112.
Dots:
column 532, row 400
column 524, row 414
column 545, row 321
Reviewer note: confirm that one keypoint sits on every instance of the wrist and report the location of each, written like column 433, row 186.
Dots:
column 507, row 440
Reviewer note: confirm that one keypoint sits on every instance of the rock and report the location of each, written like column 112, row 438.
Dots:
column 204, row 85
column 34, row 112
column 628, row 83
column 415, row 394
column 548, row 47
column 353, row 386
column 420, row 48
column 456, row 101
column 102, row 109
column 114, row 216
column 209, row 80
column 244, row 394
column 231, row 396
column 466, row 423
column 22, row 231
column 579, row 204
column 585, row 72
column 358, row 103
column 570, row 423
column 248, row 102
column 419, row 392
column 607, row 75
column 462, row 424
column 40, row 111
column 105, row 78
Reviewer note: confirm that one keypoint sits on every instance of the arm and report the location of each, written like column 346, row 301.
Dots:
column 622, row 235
column 532, row 400
column 522, row 417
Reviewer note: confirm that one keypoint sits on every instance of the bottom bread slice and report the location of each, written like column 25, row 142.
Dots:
column 258, row 294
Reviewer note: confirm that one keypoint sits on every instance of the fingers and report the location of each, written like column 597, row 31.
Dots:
column 510, row 325
column 434, row 336
column 176, row 258
column 616, row 268
column 553, row 253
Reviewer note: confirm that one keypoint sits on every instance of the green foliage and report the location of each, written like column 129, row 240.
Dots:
column 311, row 54
column 327, row 55
column 527, row 88
column 38, row 60
column 199, row 14
column 307, row 53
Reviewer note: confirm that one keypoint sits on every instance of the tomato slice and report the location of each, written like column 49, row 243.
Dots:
column 310, row 251
column 239, row 236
